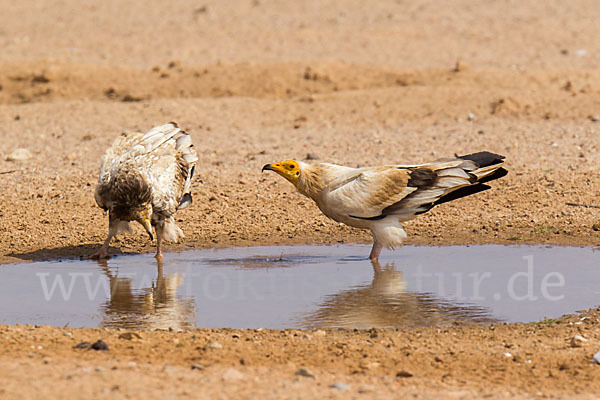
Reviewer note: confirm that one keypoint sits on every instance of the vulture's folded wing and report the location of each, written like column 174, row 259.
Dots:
column 407, row 190
column 366, row 192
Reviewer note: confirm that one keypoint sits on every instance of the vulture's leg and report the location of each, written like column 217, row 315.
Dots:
column 102, row 253
column 375, row 251
column 159, row 237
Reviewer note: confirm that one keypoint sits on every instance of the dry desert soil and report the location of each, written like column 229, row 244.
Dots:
column 257, row 81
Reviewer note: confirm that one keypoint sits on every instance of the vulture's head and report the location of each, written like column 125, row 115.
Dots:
column 289, row 169
column 141, row 213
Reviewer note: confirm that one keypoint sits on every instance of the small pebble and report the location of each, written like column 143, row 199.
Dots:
column 578, row 341
column 595, row 118
column 305, row 372
column 232, row 374
column 596, row 357
column 99, row 345
column 365, row 389
column 130, row 336
column 340, row 386
column 214, row 345
column 198, row 367
column 19, row 155
column 460, row 66
column 403, row 374
column 471, row 117
column 167, row 369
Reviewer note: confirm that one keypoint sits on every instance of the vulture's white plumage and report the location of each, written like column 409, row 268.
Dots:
column 380, row 198
column 146, row 178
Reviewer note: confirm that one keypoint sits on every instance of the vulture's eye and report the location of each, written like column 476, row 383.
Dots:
column 291, row 167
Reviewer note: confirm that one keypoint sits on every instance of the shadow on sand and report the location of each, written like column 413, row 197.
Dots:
column 65, row 252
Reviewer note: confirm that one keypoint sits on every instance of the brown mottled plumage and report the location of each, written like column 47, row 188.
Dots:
column 380, row 198
column 146, row 178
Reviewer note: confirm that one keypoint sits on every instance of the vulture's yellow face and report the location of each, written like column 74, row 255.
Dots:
column 289, row 169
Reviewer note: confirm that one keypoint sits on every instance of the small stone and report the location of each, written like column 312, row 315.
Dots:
column 232, row 374
column 365, row 389
column 311, row 156
column 594, row 118
column 580, row 52
column 130, row 336
column 66, row 333
column 507, row 355
column 167, row 369
column 471, row 117
column 19, row 155
column 198, row 367
column 578, row 341
column 340, row 386
column 596, row 227
column 460, row 66
column 596, row 357
column 214, row 345
column 305, row 372
column 99, row 345
column 82, row 345
column 517, row 359
column 565, row 213
column 403, row 374
column 319, row 333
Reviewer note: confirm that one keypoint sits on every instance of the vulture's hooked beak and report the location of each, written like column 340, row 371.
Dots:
column 148, row 227
column 267, row 167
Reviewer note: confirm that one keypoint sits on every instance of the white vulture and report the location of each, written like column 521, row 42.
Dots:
column 146, row 178
column 381, row 198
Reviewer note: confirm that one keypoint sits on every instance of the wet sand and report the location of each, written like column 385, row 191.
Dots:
column 256, row 82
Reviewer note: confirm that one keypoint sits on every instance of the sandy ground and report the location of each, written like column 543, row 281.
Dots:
column 261, row 81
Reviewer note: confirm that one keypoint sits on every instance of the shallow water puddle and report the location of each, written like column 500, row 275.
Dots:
column 304, row 287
